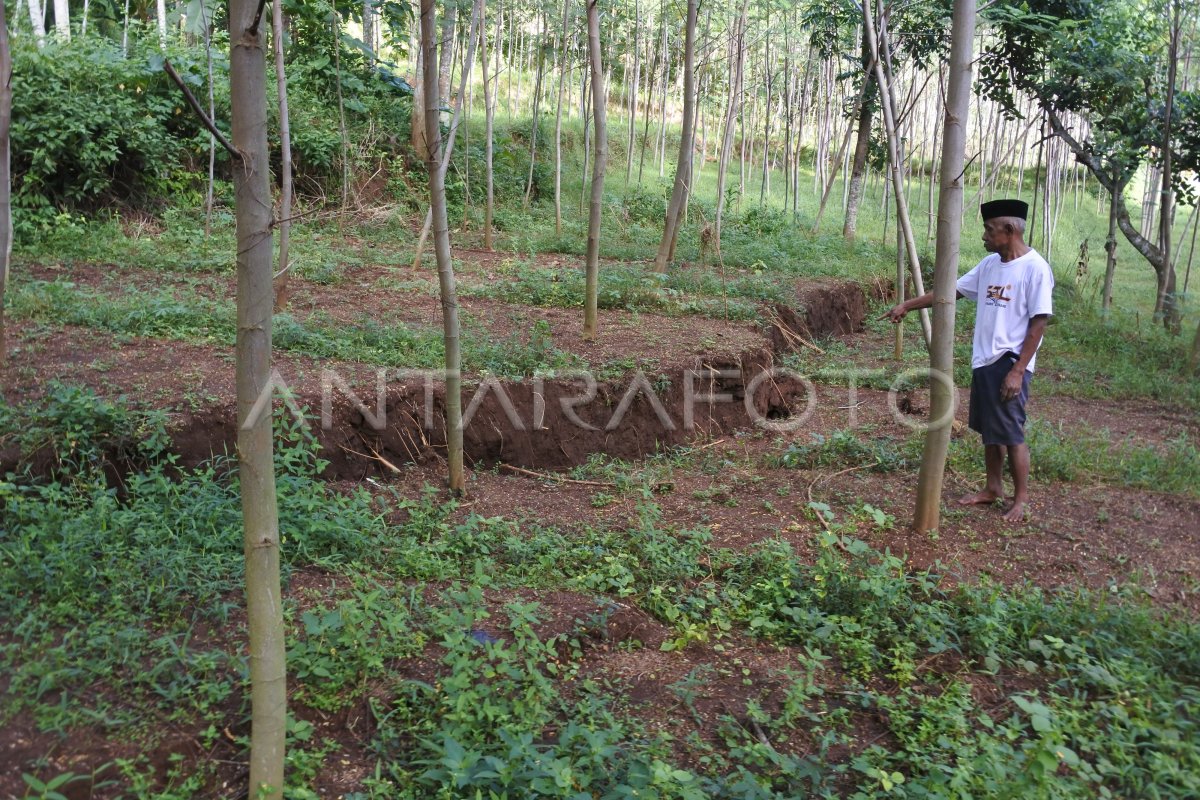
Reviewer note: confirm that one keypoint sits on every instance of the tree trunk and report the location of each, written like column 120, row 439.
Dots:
column 161, row 7
column 651, row 85
column 256, row 469
column 285, row 170
column 937, row 121
column 62, row 20
column 1146, row 223
column 368, row 26
column 1092, row 161
column 517, row 63
column 489, row 116
column 683, row 169
column 662, row 102
column 441, row 247
column 592, row 279
column 509, row 55
column 562, row 79
column 764, row 185
column 446, row 54
column 949, row 230
column 1110, row 247
column 864, row 106
column 585, row 78
column 533, row 128
column 472, row 31
column 37, row 20
column 1167, row 301
column 212, row 115
column 732, row 110
column 345, row 136
column 633, row 90
column 801, row 115
column 417, row 141
column 888, row 104
column 862, row 146
column 6, row 230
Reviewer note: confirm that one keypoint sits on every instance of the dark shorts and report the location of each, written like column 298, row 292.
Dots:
column 998, row 422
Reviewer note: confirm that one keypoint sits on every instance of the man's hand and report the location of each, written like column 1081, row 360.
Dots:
column 1011, row 388
column 895, row 313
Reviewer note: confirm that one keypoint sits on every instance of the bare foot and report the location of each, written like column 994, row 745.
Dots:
column 1016, row 514
column 984, row 498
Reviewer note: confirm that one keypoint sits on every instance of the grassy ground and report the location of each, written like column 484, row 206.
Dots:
column 482, row 654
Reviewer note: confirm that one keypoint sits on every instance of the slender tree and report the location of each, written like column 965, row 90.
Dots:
column 441, row 247
column 62, row 20
column 446, row 54
column 851, row 216
column 256, row 469
column 683, row 167
column 473, row 30
column 206, row 25
column 895, row 164
column 6, row 229
column 737, row 47
column 563, row 72
column 161, row 19
column 632, row 89
column 945, row 269
column 336, row 29
column 368, row 26
column 37, row 20
column 537, row 97
column 595, row 209
column 417, row 120
column 866, row 113
column 285, row 167
column 489, row 117
column 1166, row 283
column 1110, row 249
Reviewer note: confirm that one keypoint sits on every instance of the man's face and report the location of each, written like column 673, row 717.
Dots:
column 997, row 233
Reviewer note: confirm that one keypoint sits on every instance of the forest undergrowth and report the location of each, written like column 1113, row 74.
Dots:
column 445, row 634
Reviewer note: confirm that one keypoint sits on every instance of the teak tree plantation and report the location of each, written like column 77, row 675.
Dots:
column 599, row 399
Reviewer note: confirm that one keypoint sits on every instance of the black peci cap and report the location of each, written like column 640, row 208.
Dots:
column 1004, row 208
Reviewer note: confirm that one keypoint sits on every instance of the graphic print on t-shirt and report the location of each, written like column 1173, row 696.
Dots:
column 999, row 295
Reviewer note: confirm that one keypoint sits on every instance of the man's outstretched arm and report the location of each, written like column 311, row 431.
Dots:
column 897, row 312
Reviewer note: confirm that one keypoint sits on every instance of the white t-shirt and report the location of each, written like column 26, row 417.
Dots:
column 1008, row 295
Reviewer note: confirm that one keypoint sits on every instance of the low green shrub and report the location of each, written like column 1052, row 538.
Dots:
column 93, row 125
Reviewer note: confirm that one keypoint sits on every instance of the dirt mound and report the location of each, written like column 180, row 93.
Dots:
column 548, row 423
column 821, row 310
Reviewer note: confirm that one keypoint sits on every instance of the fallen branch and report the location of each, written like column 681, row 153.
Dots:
column 552, row 477
column 375, row 457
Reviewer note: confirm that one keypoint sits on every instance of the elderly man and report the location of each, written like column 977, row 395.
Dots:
column 1012, row 289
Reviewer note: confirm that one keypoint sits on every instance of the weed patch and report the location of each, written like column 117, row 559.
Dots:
column 1092, row 697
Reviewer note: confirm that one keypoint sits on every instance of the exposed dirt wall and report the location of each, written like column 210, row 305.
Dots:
column 546, row 424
